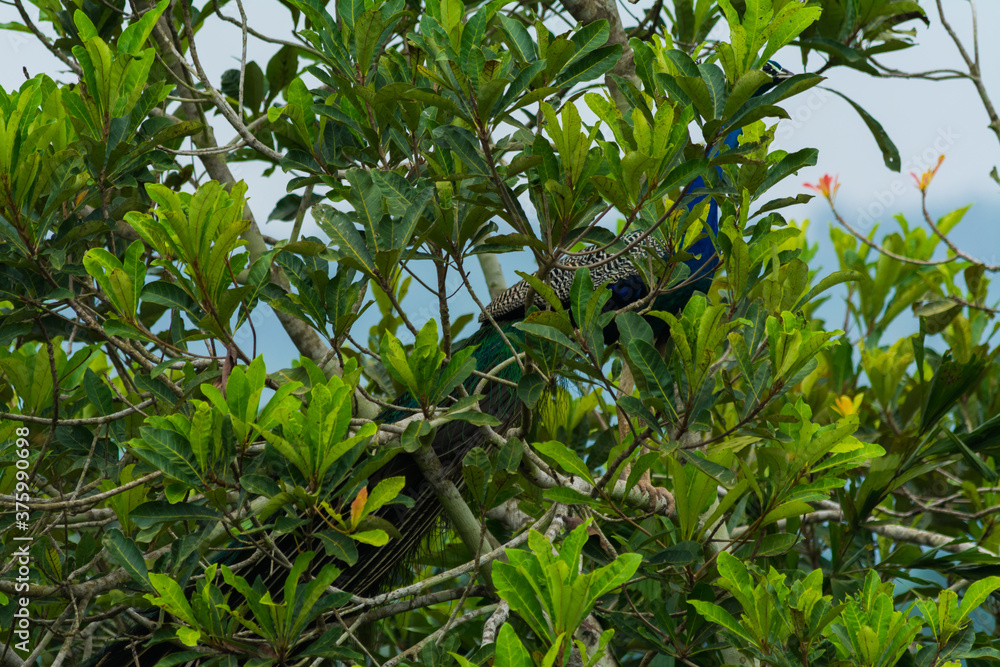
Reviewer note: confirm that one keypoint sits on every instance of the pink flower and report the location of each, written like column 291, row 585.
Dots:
column 924, row 180
column 827, row 187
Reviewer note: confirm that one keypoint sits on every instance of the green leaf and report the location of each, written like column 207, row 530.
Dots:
column 632, row 326
column 510, row 652
column 518, row 38
column 282, row 68
column 682, row 62
column 123, row 551
column 522, row 597
column 157, row 511
column 716, row 614
column 567, row 496
column 751, row 111
column 512, row 95
column 613, row 191
column 405, row 201
column 434, row 100
column 890, row 154
column 684, row 173
column 376, row 538
column 782, row 202
column 976, row 463
column 167, row 450
column 366, row 197
column 384, row 492
column 261, row 485
column 588, row 38
column 775, row 545
column 636, row 408
column 721, row 474
column 950, row 382
column 934, row 308
column 594, row 64
column 477, row 471
column 785, row 511
column 414, row 434
column 473, row 417
column 367, row 31
column 789, row 23
column 170, row 295
column 696, row 90
column 529, row 389
column 97, row 392
column 14, row 27
column 145, row 383
column 543, row 289
column 188, row 636
column 345, row 236
column 852, row 57
column 107, row 271
column 465, row 146
column 349, row 11
column 10, row 234
column 460, row 367
column 339, row 546
column 135, row 35
column 681, row 554
column 552, row 334
column 171, row 598
column 253, row 86
column 745, row 87
column 715, row 85
column 835, row 278
column 647, row 361
column 976, row 594
column 509, row 456
column 452, row 12
column 462, row 661
column 868, row 642
column 789, row 164
column 565, row 457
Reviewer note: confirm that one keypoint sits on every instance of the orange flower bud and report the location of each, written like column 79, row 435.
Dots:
column 827, row 187
column 924, row 180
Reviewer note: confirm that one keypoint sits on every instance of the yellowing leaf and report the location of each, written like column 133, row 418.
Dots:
column 358, row 506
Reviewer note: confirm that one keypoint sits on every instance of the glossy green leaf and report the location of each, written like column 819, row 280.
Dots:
column 890, row 154
column 565, row 457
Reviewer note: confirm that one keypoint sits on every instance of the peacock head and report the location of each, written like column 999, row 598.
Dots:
column 777, row 74
column 627, row 290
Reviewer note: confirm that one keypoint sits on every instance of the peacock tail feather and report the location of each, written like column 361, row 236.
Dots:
column 377, row 566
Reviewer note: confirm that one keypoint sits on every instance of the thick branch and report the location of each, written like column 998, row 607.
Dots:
column 588, row 11
column 493, row 272
column 464, row 521
column 533, row 468
column 305, row 338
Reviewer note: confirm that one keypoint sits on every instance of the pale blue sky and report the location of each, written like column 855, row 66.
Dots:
column 923, row 118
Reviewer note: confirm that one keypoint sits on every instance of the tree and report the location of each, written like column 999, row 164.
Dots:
column 828, row 498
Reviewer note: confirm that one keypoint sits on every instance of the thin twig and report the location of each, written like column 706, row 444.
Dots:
column 45, row 40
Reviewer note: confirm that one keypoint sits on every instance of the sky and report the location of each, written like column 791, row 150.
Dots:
column 924, row 119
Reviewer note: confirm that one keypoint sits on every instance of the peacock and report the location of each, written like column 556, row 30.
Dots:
column 494, row 343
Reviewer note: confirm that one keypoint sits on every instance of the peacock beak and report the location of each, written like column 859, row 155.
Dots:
column 783, row 74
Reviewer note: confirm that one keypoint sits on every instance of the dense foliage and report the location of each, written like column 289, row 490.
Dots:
column 826, row 497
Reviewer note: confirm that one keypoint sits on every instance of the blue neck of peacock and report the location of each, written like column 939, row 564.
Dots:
column 705, row 259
